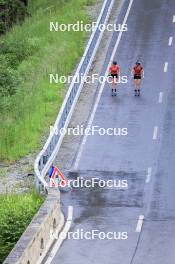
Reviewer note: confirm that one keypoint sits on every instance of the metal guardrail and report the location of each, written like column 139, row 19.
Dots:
column 52, row 145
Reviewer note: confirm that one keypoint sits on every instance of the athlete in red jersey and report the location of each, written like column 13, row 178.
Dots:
column 114, row 72
column 138, row 73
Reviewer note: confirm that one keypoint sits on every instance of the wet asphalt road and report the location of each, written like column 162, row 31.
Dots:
column 134, row 156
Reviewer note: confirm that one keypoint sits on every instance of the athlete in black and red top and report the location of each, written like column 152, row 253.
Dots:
column 138, row 74
column 114, row 71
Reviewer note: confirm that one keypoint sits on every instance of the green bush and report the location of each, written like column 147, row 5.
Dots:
column 9, row 81
column 16, row 212
column 16, row 50
column 13, row 52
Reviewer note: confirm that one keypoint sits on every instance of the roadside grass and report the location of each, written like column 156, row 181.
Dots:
column 34, row 53
column 16, row 212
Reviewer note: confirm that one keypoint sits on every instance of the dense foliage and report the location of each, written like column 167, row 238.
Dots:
column 16, row 212
column 12, row 53
column 11, row 11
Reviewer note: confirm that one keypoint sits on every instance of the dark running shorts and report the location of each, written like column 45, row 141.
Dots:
column 137, row 77
column 114, row 76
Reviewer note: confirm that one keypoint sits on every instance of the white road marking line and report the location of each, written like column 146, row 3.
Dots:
column 140, row 224
column 160, row 97
column 62, row 238
column 174, row 19
column 166, row 67
column 149, row 174
column 101, row 88
column 170, row 41
column 155, row 133
column 70, row 213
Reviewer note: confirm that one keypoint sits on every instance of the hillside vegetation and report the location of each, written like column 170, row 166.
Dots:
column 28, row 53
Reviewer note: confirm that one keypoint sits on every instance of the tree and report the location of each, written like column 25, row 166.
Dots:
column 11, row 11
column 25, row 2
